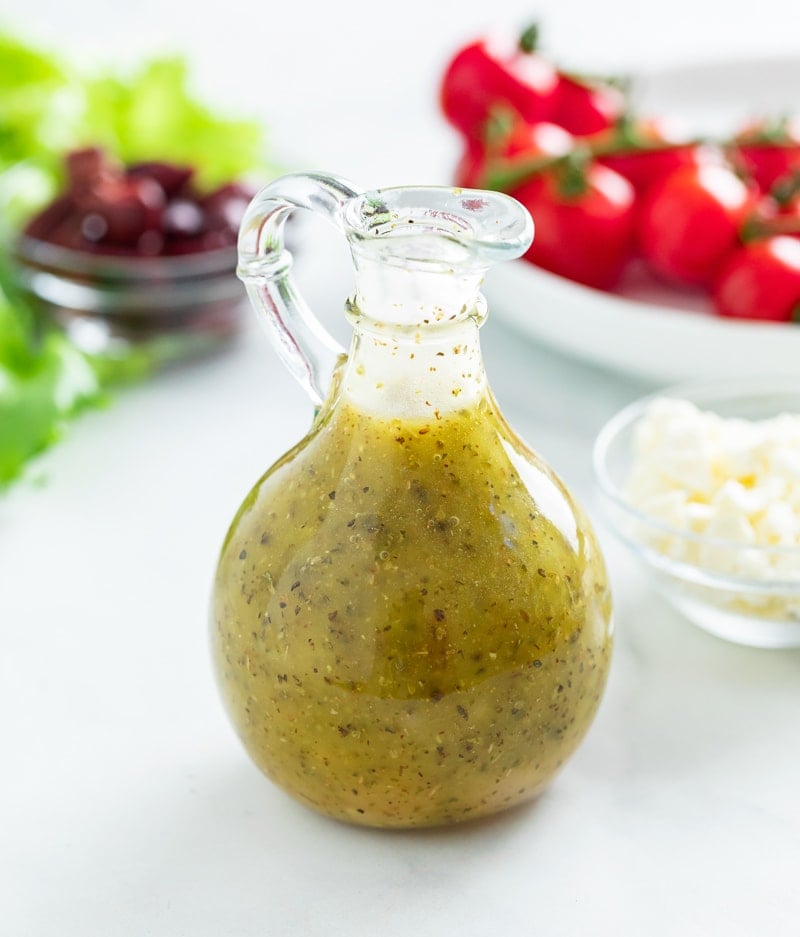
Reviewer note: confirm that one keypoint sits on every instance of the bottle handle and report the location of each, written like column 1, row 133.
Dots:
column 307, row 349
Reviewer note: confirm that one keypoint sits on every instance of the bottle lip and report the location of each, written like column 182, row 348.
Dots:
column 439, row 227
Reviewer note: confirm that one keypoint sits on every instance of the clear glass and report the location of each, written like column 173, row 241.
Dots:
column 700, row 575
column 411, row 617
column 172, row 307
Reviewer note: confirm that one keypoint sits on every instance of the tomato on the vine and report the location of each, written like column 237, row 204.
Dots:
column 542, row 139
column 584, row 222
column 691, row 220
column 498, row 70
column 522, row 144
column 585, row 107
column 606, row 184
column 761, row 281
column 768, row 151
column 646, row 150
column 642, row 168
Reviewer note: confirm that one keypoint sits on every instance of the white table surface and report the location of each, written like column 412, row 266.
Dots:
column 127, row 806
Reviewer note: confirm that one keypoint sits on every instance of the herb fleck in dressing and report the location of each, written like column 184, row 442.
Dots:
column 411, row 619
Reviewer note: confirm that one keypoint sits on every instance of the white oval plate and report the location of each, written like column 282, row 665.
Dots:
column 647, row 329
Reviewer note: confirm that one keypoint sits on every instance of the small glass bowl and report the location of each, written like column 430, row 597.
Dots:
column 696, row 573
column 172, row 307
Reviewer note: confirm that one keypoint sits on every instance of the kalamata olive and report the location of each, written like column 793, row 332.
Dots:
column 129, row 207
column 172, row 178
column 182, row 218
column 89, row 167
column 94, row 227
column 147, row 209
column 225, row 207
column 150, row 244
column 207, row 241
column 183, row 245
column 68, row 233
column 50, row 217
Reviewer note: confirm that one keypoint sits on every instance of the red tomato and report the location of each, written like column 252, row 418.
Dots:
column 585, row 235
column 644, row 167
column 542, row 139
column 690, row 221
column 761, row 281
column 650, row 149
column 499, row 70
column 768, row 152
column 585, row 107
column 524, row 143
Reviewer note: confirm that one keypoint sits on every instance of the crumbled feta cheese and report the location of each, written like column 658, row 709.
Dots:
column 732, row 480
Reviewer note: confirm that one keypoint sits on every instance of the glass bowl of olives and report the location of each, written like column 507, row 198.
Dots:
column 137, row 257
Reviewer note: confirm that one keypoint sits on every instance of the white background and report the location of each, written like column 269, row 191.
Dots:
column 126, row 804
column 327, row 76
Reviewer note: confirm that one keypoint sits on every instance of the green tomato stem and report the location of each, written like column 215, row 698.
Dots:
column 529, row 40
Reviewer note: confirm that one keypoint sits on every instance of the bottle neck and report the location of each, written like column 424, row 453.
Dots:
column 415, row 349
column 414, row 373
column 416, row 292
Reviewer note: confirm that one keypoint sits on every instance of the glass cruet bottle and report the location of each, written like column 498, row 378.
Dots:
column 411, row 618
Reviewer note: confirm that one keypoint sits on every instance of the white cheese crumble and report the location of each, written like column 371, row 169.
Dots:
column 725, row 478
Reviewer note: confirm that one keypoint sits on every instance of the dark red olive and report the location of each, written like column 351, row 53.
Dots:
column 225, row 206
column 209, row 241
column 127, row 208
column 89, row 167
column 172, row 178
column 68, row 233
column 182, row 218
column 149, row 209
column 50, row 217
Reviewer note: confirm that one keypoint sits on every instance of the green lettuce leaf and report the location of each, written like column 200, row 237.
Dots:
column 38, row 103
column 43, row 384
column 153, row 115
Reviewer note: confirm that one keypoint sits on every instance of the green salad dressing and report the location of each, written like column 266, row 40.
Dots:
column 411, row 618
